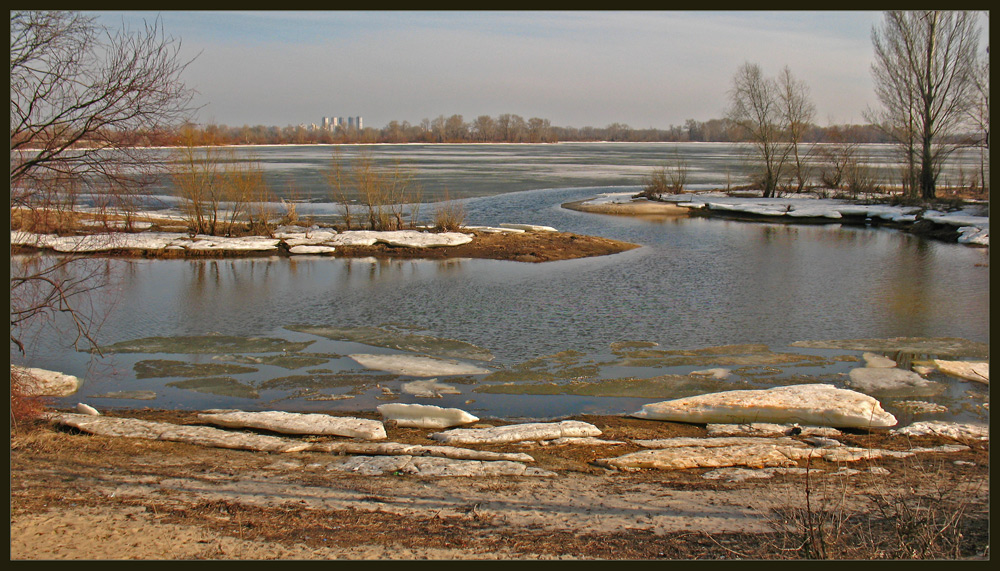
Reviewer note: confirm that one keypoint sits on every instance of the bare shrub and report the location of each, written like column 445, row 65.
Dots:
column 24, row 405
column 383, row 192
column 449, row 215
column 883, row 521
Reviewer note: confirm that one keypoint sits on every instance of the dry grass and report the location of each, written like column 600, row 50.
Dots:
column 946, row 519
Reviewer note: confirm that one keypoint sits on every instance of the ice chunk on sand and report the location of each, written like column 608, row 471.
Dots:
column 950, row 429
column 425, row 416
column 517, row 432
column 529, row 227
column 305, row 249
column 415, row 239
column 417, row 366
column 297, row 423
column 815, row 404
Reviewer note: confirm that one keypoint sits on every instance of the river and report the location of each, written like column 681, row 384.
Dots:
column 567, row 337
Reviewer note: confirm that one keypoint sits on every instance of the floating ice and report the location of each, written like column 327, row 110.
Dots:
column 417, row 366
column 429, row 388
column 971, row 370
column 892, row 382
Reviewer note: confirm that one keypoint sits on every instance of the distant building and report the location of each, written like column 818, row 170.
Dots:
column 331, row 123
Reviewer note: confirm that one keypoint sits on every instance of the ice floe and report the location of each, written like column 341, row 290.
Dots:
column 892, row 382
column 876, row 361
column 428, row 388
column 816, row 404
column 415, row 366
column 424, row 416
column 970, row 370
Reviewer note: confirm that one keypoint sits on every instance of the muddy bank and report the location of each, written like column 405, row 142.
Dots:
column 75, row 495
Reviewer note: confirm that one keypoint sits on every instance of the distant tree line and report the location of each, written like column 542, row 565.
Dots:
column 505, row 128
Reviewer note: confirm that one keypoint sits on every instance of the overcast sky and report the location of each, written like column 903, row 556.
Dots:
column 644, row 69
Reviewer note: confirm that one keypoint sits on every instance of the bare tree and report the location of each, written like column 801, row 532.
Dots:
column 798, row 111
column 980, row 117
column 81, row 97
column 755, row 111
column 924, row 78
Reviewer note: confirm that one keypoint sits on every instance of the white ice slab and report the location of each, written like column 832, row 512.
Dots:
column 815, row 404
column 425, row 416
column 529, row 227
column 298, row 423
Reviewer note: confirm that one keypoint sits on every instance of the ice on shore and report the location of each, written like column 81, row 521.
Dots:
column 41, row 382
column 529, row 227
column 297, row 423
column 415, row 366
column 815, row 404
column 312, row 249
column 425, row 416
column 955, row 430
column 974, row 229
column 307, row 241
column 517, row 433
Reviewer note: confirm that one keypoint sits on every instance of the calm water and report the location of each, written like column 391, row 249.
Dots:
column 695, row 283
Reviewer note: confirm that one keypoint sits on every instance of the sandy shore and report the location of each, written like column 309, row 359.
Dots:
column 78, row 496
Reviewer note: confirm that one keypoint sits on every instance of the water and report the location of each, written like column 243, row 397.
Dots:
column 695, row 283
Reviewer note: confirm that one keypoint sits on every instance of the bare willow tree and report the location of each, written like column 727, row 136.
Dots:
column 756, row 112
column 924, row 74
column 82, row 96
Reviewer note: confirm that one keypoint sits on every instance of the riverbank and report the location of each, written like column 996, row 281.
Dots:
column 968, row 225
column 521, row 243
column 82, row 496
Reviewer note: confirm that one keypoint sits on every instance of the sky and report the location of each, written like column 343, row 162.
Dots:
column 643, row 69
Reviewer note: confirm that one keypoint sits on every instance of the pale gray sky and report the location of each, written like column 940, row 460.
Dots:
column 644, row 69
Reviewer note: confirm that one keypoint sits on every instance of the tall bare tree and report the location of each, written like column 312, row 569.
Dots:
column 980, row 117
column 798, row 111
column 924, row 78
column 755, row 111
column 81, row 97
